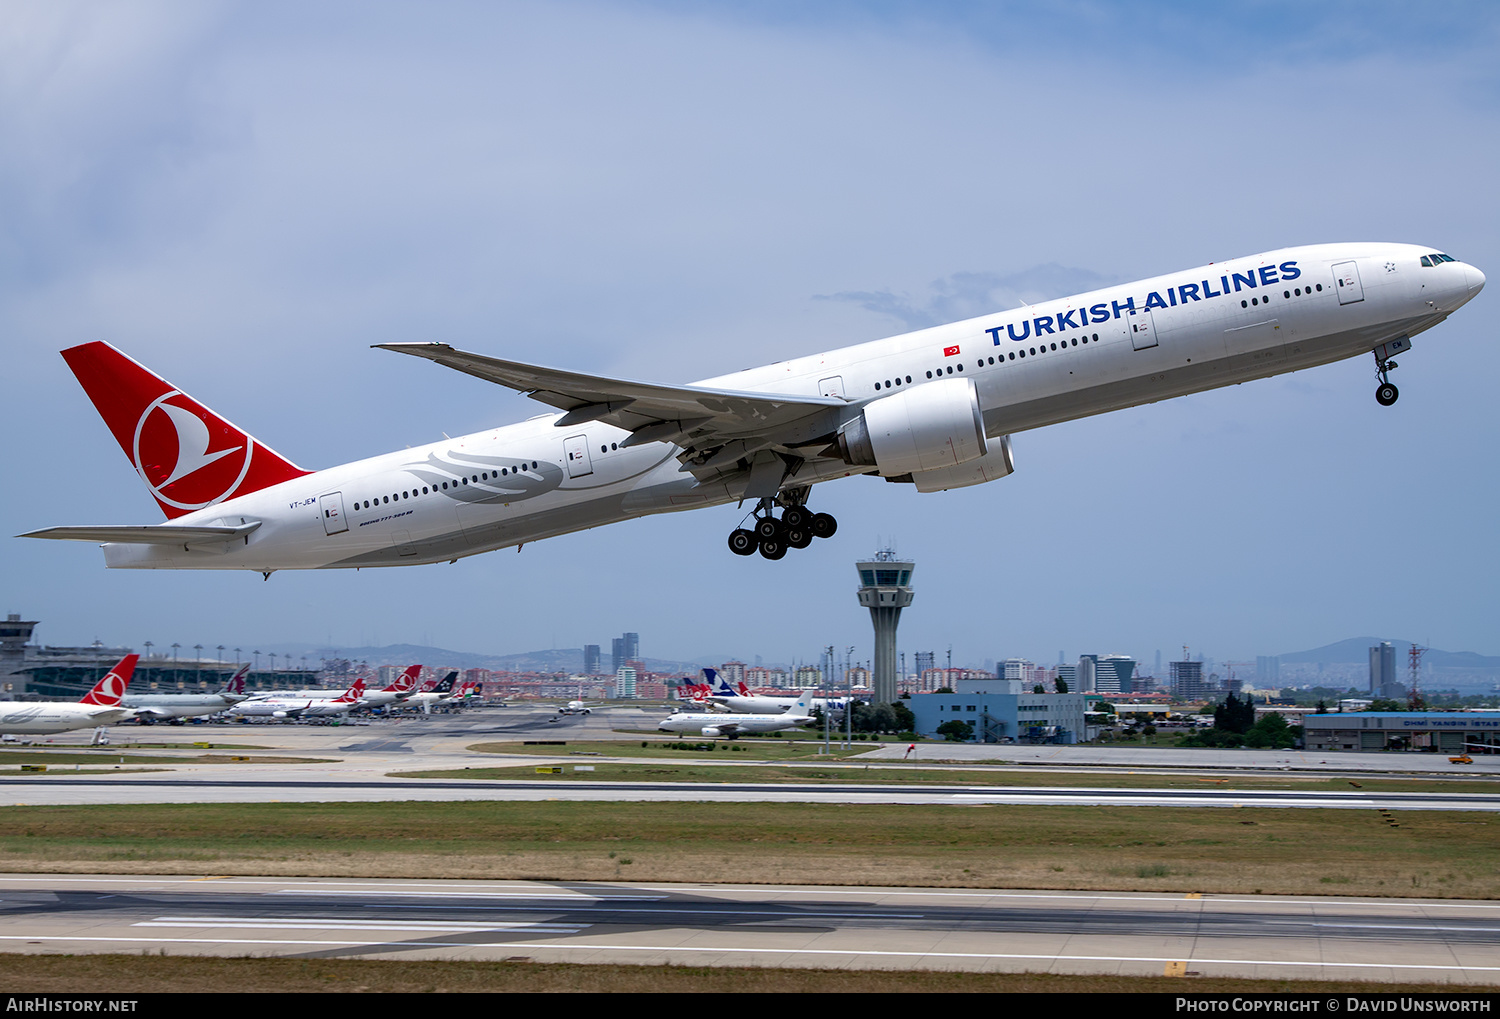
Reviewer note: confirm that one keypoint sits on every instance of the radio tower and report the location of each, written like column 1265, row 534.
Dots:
column 1414, row 700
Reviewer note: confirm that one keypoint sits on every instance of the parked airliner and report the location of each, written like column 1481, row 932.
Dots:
column 934, row 409
column 740, row 701
column 100, row 706
column 151, row 708
column 734, row 725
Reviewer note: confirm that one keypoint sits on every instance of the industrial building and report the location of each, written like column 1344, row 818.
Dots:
column 1002, row 710
column 1445, row 732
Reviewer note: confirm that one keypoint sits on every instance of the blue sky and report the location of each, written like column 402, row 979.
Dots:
column 247, row 196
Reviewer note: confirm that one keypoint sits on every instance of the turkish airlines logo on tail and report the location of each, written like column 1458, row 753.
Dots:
column 185, row 465
column 108, row 691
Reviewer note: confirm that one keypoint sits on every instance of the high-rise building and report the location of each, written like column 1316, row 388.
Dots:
column 1383, row 670
column 1267, row 671
column 885, row 589
column 1187, row 680
column 632, row 646
column 591, row 659
column 617, row 655
column 1114, row 674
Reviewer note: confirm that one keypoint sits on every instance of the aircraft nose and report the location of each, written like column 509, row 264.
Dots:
column 1475, row 277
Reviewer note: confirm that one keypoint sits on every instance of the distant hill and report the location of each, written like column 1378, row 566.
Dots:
column 1356, row 651
column 568, row 660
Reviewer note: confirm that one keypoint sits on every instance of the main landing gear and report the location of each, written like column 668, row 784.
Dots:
column 772, row 536
column 1385, row 393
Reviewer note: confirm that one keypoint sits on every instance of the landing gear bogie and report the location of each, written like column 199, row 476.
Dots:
column 772, row 535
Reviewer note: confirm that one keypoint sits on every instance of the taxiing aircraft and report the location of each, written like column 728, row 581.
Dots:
column 735, row 725
column 151, row 708
column 934, row 409
column 282, row 706
column 100, row 706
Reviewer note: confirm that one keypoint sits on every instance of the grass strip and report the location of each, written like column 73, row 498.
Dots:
column 127, row 974
column 833, row 772
column 1428, row 854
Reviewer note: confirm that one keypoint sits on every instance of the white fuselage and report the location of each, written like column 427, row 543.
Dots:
column 756, row 705
column 38, row 718
column 186, row 705
column 706, row 724
column 1118, row 347
column 294, row 707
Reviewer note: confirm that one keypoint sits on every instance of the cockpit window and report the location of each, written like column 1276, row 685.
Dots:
column 1427, row 261
column 1446, row 258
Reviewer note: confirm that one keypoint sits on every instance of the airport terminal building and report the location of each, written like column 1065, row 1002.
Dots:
column 999, row 711
column 1444, row 732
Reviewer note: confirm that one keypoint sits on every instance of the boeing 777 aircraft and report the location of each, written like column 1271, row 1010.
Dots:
column 934, row 409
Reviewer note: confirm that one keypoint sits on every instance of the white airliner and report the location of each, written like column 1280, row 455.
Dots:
column 398, row 692
column 282, row 706
column 100, row 706
column 734, row 726
column 173, row 707
column 722, row 693
column 933, row 408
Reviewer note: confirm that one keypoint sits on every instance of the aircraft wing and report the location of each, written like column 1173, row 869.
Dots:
column 716, row 428
column 146, row 534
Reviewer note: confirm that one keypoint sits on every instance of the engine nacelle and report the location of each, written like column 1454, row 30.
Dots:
column 995, row 464
column 929, row 427
column 709, row 730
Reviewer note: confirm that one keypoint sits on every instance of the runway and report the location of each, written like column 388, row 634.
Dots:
column 718, row 924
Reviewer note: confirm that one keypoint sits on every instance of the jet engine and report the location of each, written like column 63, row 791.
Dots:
column 929, row 427
column 709, row 730
column 994, row 465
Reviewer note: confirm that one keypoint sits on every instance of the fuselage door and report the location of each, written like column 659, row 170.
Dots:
column 576, row 449
column 1142, row 330
column 1346, row 279
column 833, row 386
column 331, row 509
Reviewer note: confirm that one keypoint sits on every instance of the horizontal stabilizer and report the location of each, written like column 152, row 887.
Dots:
column 146, row 534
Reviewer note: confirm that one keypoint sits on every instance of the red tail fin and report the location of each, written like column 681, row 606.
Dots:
column 407, row 680
column 108, row 691
column 187, row 455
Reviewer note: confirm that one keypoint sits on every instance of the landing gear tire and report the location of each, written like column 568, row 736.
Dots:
column 823, row 525
column 772, row 548
column 768, row 529
column 1386, row 394
column 796, row 518
column 798, row 537
column 742, row 542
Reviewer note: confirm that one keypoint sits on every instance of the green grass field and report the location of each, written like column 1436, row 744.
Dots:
column 708, row 768
column 1304, row 851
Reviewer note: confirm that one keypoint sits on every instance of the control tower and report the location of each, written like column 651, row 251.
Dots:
column 885, row 589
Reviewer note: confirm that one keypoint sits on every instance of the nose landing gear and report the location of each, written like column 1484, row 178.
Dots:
column 1385, row 393
column 772, row 536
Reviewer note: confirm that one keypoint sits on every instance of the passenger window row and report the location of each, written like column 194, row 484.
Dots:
column 386, row 500
column 1286, row 294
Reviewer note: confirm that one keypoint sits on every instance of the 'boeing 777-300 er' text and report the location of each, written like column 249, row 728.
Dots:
column 933, row 408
